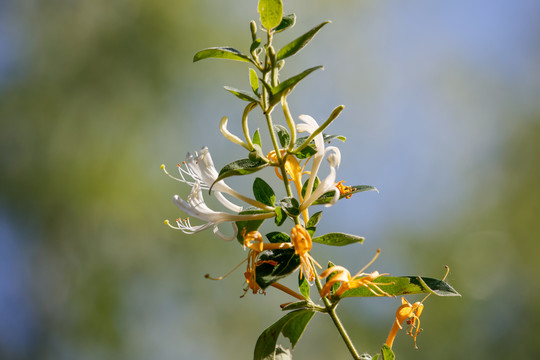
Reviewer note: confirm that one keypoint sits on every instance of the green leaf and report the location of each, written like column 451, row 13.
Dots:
column 302, row 304
column 221, row 53
column 289, row 84
column 291, row 206
column 336, row 285
column 263, row 192
column 304, row 187
column 314, row 219
column 275, row 265
column 306, row 152
column 241, row 167
column 278, row 237
column 405, row 285
column 271, row 12
column 257, row 138
column 254, row 45
column 287, row 22
column 254, row 81
column 327, row 197
column 298, row 44
column 376, row 357
column 241, row 94
column 283, row 135
column 250, row 225
column 303, row 286
column 338, row 239
column 387, row 353
column 311, row 225
column 281, row 216
column 292, row 326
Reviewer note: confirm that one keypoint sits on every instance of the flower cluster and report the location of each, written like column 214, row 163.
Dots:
column 296, row 151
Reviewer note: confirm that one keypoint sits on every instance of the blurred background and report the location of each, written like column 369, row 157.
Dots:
column 442, row 115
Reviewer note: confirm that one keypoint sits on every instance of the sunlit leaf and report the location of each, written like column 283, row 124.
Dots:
column 257, row 138
column 387, row 353
column 271, row 12
column 327, row 197
column 291, row 206
column 283, row 135
column 254, row 81
column 220, row 53
column 241, row 94
column 338, row 239
column 287, row 22
column 303, row 286
column 263, row 192
column 289, row 84
column 298, row 44
column 281, row 216
column 240, row 167
column 405, row 285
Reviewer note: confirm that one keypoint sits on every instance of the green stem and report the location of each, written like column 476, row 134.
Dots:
column 332, row 312
column 266, row 111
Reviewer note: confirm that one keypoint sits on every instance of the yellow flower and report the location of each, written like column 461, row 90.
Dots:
column 302, row 245
column 344, row 190
column 411, row 313
column 348, row 282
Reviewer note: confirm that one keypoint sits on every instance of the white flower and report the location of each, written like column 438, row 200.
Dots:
column 196, row 207
column 328, row 184
column 199, row 168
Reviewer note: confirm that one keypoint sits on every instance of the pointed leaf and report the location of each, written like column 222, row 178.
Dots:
column 275, row 265
column 315, row 185
column 281, row 216
column 311, row 225
column 289, row 84
column 257, row 138
column 303, row 286
column 314, row 219
column 240, row 167
column 327, row 197
column 254, row 45
column 294, row 329
column 241, row 94
column 263, row 192
column 291, row 206
column 405, row 285
column 338, row 239
column 254, row 81
column 221, row 53
column 298, row 44
column 271, row 12
column 278, row 237
column 287, row 22
column 292, row 325
column 283, row 135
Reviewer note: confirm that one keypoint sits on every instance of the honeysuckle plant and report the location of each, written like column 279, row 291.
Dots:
column 296, row 150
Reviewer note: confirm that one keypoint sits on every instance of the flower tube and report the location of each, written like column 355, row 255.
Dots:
column 195, row 206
